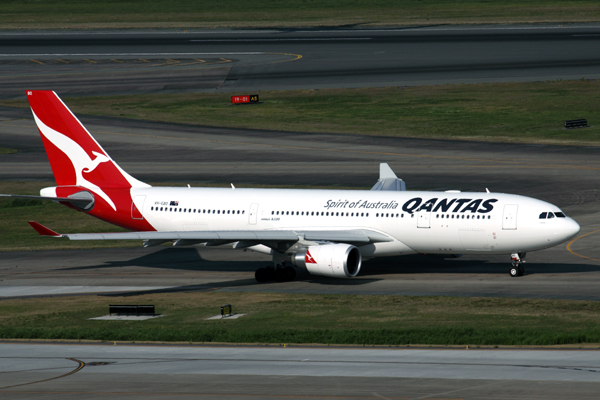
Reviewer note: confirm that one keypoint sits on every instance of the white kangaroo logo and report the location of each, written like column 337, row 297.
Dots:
column 82, row 162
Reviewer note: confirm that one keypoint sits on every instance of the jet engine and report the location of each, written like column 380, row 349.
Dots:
column 334, row 260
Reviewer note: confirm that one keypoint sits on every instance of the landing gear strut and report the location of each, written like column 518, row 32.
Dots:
column 517, row 268
column 277, row 274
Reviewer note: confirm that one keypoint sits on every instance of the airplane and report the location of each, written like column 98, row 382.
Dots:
column 326, row 232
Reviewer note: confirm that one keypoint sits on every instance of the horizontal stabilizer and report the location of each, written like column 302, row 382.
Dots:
column 42, row 230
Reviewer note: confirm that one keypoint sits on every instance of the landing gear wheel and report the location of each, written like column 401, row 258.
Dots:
column 264, row 275
column 291, row 273
column 517, row 270
column 281, row 275
column 270, row 273
column 261, row 275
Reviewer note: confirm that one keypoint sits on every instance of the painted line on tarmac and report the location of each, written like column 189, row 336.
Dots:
column 131, row 54
column 79, row 368
column 279, row 40
column 577, row 238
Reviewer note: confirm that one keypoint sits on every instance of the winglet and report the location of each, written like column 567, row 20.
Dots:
column 42, row 230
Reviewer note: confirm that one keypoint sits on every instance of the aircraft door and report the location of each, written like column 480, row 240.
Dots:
column 253, row 214
column 137, row 206
column 509, row 218
column 424, row 219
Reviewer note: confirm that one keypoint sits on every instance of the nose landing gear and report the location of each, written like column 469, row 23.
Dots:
column 517, row 268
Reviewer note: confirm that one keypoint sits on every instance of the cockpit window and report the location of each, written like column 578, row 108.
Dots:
column 543, row 215
column 560, row 215
column 550, row 215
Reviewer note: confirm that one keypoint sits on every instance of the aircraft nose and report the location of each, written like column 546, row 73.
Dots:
column 571, row 228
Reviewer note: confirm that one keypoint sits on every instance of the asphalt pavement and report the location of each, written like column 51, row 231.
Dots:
column 70, row 371
column 163, row 61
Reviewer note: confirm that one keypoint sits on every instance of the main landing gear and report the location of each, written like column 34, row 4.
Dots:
column 277, row 274
column 517, row 264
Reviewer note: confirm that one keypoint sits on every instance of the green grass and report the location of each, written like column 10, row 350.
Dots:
column 307, row 318
column 511, row 112
column 4, row 150
column 27, row 14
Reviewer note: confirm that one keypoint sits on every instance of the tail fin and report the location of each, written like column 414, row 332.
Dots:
column 75, row 156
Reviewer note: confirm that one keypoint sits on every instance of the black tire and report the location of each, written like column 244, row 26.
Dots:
column 270, row 274
column 521, row 270
column 514, row 271
column 291, row 273
column 282, row 275
column 261, row 275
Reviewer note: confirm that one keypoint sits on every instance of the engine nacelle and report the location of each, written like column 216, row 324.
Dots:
column 335, row 260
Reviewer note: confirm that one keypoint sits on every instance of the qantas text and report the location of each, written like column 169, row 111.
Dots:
column 417, row 204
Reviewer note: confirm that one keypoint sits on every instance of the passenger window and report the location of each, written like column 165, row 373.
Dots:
column 550, row 215
column 543, row 215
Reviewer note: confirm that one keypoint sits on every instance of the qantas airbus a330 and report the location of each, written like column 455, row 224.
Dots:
column 328, row 232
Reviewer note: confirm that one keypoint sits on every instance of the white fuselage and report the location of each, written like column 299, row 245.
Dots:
column 418, row 222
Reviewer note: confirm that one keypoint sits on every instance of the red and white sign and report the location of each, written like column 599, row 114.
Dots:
column 246, row 99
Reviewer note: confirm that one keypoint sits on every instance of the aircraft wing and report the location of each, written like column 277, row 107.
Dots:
column 273, row 238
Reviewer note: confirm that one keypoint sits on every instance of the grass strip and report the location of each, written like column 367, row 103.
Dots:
column 60, row 14
column 310, row 318
column 510, row 112
column 4, row 150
